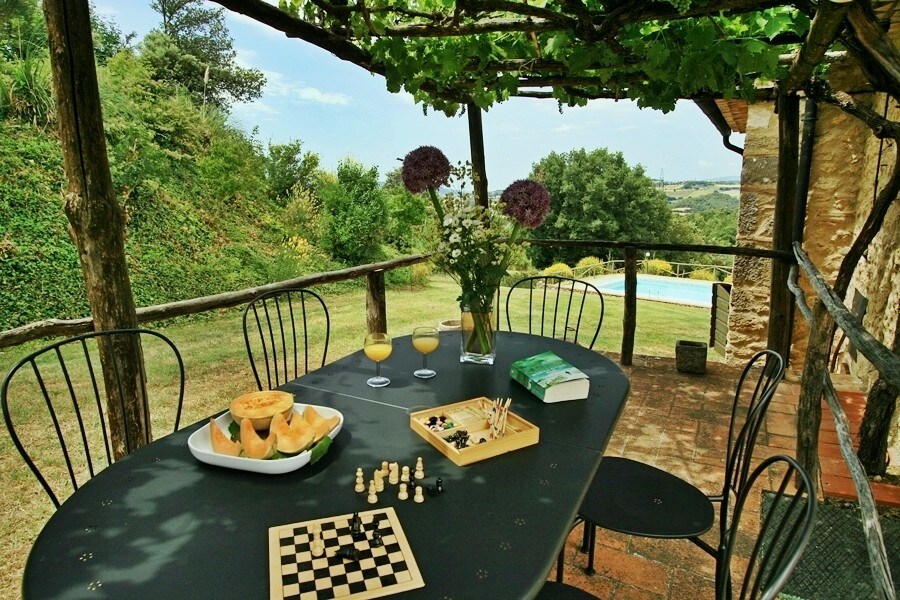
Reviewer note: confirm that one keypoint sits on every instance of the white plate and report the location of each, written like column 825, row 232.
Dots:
column 201, row 447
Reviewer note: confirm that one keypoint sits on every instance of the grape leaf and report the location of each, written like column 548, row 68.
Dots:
column 319, row 450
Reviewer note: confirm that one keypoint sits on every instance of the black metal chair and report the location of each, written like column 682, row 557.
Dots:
column 783, row 534
column 635, row 498
column 74, row 443
column 557, row 308
column 279, row 327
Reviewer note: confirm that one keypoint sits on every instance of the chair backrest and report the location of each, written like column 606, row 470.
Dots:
column 753, row 394
column 557, row 307
column 284, row 331
column 783, row 533
column 74, row 442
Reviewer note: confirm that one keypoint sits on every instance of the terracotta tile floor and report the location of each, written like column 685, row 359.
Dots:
column 679, row 422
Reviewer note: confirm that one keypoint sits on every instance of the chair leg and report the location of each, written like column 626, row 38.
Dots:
column 560, row 560
column 585, row 538
column 593, row 541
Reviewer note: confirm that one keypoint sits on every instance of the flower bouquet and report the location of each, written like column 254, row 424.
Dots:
column 476, row 242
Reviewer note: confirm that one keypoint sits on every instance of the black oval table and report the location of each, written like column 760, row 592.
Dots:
column 159, row 523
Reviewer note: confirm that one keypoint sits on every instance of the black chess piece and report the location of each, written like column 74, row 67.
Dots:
column 376, row 539
column 439, row 485
column 349, row 553
column 356, row 528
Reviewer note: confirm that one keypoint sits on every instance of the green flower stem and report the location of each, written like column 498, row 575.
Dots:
column 480, row 340
column 437, row 206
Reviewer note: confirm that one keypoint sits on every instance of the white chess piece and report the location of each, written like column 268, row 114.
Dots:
column 317, row 546
column 403, row 495
column 394, row 474
column 404, row 476
column 379, row 482
column 360, row 482
column 373, row 497
column 384, row 468
column 420, row 469
column 419, row 497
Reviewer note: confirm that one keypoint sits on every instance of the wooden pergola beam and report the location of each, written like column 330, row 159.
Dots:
column 823, row 30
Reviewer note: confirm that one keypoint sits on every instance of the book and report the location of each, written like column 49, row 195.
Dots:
column 550, row 377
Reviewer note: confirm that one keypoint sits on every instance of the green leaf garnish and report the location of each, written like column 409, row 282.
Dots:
column 235, row 431
column 319, row 450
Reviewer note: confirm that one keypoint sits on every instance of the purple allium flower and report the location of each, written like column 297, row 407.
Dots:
column 425, row 167
column 527, row 202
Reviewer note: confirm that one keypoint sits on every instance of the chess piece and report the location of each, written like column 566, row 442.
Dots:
column 379, row 482
column 394, row 473
column 360, row 482
column 373, row 497
column 439, row 485
column 420, row 469
column 356, row 529
column 384, row 468
column 403, row 495
column 419, row 497
column 349, row 553
column 377, row 542
column 317, row 546
column 404, row 476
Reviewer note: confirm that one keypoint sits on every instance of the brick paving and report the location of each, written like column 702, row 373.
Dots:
column 678, row 422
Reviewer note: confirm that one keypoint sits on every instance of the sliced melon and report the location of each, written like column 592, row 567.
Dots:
column 293, row 437
column 255, row 446
column 320, row 424
column 221, row 443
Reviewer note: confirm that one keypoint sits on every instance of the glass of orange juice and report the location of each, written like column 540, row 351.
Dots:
column 378, row 347
column 425, row 340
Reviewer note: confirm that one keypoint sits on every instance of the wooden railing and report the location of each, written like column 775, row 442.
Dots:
column 888, row 365
column 375, row 291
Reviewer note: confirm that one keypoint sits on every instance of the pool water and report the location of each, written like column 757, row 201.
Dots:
column 666, row 289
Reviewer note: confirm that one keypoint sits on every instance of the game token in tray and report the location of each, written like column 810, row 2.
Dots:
column 323, row 558
column 473, row 430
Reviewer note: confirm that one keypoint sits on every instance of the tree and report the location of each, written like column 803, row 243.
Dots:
column 108, row 38
column 410, row 216
column 355, row 213
column 596, row 195
column 195, row 50
column 289, row 169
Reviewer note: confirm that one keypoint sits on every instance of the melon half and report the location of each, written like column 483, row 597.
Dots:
column 260, row 407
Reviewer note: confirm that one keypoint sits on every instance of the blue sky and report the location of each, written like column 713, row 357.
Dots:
column 338, row 110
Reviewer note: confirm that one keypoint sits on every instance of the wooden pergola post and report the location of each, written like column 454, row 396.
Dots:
column 476, row 145
column 96, row 221
column 781, row 302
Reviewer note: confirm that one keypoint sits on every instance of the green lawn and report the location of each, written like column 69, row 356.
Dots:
column 217, row 370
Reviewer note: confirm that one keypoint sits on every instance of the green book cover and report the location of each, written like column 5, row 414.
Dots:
column 550, row 378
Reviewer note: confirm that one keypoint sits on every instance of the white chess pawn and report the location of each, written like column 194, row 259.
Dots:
column 384, row 468
column 373, row 497
column 419, row 497
column 317, row 546
column 404, row 476
column 403, row 495
column 360, row 482
column 420, row 469
column 379, row 482
column 394, row 474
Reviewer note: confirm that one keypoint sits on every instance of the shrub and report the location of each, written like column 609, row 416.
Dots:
column 590, row 265
column 703, row 275
column 727, row 279
column 558, row 269
column 658, row 266
column 514, row 276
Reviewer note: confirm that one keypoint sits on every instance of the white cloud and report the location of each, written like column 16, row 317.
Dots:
column 255, row 109
column 278, row 85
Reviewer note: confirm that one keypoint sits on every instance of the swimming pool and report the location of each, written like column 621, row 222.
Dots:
column 655, row 287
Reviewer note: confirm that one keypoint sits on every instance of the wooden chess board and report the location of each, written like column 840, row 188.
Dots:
column 294, row 573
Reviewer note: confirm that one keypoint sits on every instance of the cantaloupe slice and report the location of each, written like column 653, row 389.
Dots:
column 259, row 407
column 320, row 424
column 294, row 437
column 255, row 446
column 221, row 443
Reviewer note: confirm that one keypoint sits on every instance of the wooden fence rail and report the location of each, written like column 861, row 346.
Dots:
column 887, row 364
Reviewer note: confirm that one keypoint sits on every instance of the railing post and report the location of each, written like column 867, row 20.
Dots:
column 629, row 317
column 376, row 312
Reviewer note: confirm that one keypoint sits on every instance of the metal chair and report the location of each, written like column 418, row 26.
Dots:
column 278, row 329
column 68, row 375
column 784, row 532
column 554, row 590
column 557, row 308
column 635, row 498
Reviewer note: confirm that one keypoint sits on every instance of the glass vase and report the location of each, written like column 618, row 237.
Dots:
column 479, row 340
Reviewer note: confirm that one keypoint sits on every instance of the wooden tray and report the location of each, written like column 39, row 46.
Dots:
column 471, row 416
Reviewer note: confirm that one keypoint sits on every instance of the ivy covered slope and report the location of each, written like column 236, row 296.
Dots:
column 199, row 216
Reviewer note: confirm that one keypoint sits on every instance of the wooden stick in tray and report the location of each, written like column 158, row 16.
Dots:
column 497, row 418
